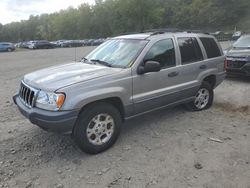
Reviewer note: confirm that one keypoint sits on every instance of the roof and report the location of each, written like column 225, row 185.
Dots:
column 134, row 36
column 153, row 35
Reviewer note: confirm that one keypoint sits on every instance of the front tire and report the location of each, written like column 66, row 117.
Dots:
column 203, row 98
column 97, row 128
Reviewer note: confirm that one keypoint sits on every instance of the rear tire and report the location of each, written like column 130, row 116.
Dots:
column 203, row 99
column 97, row 128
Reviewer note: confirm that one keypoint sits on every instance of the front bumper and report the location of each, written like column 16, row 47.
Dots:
column 60, row 121
column 244, row 70
column 238, row 72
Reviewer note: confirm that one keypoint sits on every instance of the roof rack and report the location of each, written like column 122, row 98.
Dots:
column 162, row 31
column 172, row 30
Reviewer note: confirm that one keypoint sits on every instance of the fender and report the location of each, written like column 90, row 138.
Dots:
column 80, row 100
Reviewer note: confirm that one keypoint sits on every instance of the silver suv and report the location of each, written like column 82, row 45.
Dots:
column 125, row 77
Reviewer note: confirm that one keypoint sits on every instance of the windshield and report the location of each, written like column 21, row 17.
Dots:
column 243, row 42
column 118, row 52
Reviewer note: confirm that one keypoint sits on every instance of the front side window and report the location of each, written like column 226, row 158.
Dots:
column 190, row 50
column 118, row 52
column 162, row 52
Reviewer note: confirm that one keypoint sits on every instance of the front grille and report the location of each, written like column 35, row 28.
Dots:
column 236, row 64
column 27, row 95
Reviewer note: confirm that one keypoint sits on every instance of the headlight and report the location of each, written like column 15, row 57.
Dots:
column 50, row 101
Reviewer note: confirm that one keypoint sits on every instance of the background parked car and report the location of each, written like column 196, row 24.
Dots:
column 59, row 43
column 54, row 44
column 89, row 42
column 222, row 36
column 17, row 45
column 238, row 57
column 71, row 43
column 97, row 42
column 6, row 47
column 24, row 44
column 236, row 35
column 40, row 44
column 30, row 44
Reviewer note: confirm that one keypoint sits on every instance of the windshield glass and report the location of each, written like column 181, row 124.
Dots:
column 118, row 52
column 243, row 42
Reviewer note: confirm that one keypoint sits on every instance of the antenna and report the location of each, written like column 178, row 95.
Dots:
column 75, row 54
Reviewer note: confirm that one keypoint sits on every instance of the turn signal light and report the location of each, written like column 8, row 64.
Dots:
column 60, row 100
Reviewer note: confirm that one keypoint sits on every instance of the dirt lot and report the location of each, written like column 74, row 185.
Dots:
column 168, row 148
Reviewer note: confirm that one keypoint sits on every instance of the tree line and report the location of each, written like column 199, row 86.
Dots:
column 113, row 17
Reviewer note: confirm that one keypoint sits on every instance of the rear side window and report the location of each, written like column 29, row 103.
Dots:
column 162, row 52
column 211, row 47
column 190, row 50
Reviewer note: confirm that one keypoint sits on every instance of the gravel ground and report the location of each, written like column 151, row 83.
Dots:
column 168, row 148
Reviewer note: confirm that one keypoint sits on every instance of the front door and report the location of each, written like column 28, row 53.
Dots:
column 157, row 89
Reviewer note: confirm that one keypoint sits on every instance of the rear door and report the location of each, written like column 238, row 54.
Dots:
column 192, row 64
column 215, row 57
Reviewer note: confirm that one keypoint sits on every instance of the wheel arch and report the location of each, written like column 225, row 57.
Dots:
column 211, row 79
column 115, row 101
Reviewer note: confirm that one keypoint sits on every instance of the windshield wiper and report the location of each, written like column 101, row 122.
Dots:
column 241, row 47
column 85, row 60
column 101, row 62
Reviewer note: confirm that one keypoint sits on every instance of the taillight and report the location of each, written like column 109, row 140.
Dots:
column 225, row 64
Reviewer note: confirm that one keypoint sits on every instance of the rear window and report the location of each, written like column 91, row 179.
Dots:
column 190, row 50
column 211, row 47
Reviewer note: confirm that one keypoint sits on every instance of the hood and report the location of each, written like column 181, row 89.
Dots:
column 239, row 53
column 53, row 78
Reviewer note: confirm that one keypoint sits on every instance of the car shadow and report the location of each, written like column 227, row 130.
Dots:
column 245, row 79
column 39, row 145
column 152, row 118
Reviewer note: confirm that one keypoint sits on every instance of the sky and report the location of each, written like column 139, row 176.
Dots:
column 16, row 10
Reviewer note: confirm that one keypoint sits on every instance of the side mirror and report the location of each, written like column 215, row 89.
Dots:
column 149, row 66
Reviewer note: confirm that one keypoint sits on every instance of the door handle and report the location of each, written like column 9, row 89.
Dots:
column 203, row 67
column 173, row 74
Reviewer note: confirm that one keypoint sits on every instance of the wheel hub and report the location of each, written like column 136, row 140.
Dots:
column 202, row 98
column 100, row 129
